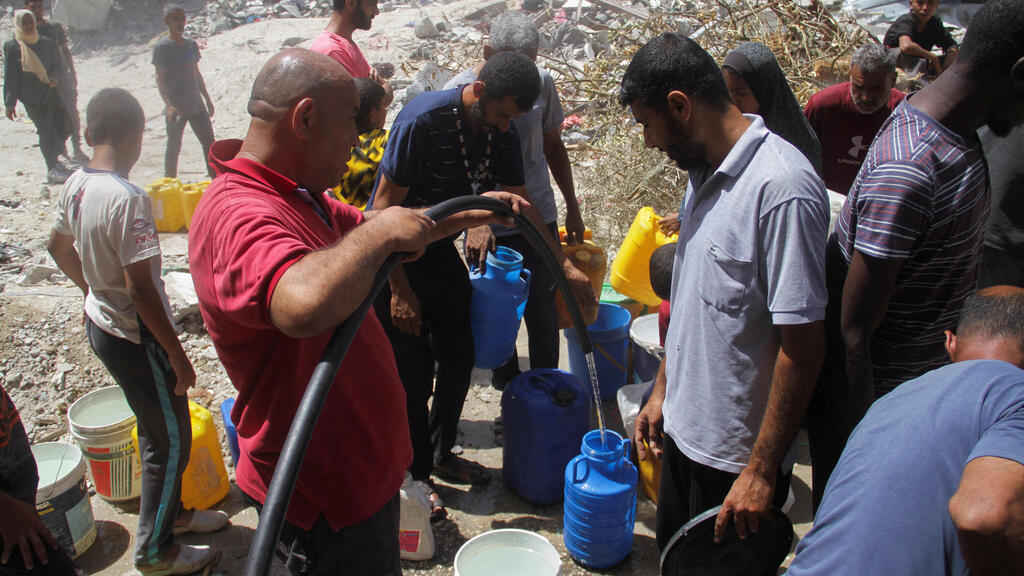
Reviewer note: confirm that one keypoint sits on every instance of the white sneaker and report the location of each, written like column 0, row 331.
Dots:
column 204, row 522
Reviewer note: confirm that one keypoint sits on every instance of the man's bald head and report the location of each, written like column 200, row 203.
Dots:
column 292, row 75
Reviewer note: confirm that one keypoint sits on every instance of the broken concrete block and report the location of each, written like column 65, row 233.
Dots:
column 182, row 295
column 33, row 274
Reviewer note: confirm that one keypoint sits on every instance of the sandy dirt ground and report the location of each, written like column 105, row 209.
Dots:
column 46, row 364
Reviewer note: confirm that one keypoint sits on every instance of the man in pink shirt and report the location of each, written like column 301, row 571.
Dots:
column 336, row 39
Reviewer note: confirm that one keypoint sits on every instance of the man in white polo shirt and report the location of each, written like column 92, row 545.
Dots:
column 748, row 294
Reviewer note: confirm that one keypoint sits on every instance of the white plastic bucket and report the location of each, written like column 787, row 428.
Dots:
column 102, row 422
column 507, row 552
column 62, row 499
column 647, row 350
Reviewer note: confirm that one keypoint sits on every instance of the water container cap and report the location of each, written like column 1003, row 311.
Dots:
column 564, row 397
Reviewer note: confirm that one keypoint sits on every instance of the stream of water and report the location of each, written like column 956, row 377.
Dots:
column 592, row 368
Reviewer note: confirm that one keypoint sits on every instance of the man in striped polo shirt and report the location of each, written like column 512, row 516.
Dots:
column 906, row 249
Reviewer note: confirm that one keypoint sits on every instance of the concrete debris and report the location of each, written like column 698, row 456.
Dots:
column 488, row 11
column 182, row 295
column 33, row 274
column 425, row 28
column 431, row 77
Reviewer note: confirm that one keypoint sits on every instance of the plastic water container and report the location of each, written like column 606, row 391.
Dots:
column 166, row 196
column 631, row 269
column 507, row 552
column 62, row 499
column 415, row 535
column 496, row 308
column 205, row 481
column 545, row 413
column 647, row 349
column 590, row 259
column 229, row 428
column 190, row 195
column 600, row 501
column 101, row 422
column 610, row 336
column 649, row 471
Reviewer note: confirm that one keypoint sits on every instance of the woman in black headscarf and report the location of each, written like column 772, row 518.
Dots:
column 757, row 85
column 33, row 66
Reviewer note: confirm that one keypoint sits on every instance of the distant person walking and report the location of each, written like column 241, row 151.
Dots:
column 68, row 89
column 182, row 88
column 32, row 70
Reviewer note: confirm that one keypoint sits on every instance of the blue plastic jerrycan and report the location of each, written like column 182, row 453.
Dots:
column 499, row 298
column 545, row 412
column 600, row 501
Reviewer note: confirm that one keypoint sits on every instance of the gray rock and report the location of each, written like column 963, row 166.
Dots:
column 12, row 380
column 425, row 28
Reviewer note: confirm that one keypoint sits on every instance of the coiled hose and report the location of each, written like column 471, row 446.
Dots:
column 294, row 450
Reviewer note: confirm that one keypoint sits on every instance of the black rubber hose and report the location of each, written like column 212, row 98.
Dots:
column 293, row 452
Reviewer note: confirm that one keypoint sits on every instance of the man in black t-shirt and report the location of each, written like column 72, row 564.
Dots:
column 913, row 36
column 183, row 90
column 68, row 89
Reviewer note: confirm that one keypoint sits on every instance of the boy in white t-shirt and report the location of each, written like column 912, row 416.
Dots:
column 104, row 239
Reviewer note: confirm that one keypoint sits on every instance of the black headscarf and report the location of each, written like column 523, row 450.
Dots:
column 776, row 102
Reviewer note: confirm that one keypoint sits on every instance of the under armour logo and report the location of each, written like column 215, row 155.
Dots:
column 857, row 147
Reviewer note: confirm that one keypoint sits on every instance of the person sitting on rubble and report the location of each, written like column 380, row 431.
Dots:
column 932, row 480
column 357, row 185
column 913, row 36
column 28, row 547
column 847, row 116
column 104, row 239
column 32, row 69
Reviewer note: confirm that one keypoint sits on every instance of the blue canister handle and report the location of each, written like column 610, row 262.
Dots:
column 576, row 479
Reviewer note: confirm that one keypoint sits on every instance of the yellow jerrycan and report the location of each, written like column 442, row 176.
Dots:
column 631, row 273
column 205, row 481
column 166, row 196
column 590, row 259
column 191, row 194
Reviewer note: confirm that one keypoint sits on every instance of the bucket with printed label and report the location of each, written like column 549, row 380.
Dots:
column 62, row 499
column 102, row 422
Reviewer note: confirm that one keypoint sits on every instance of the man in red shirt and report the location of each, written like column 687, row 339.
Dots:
column 277, row 264
column 847, row 116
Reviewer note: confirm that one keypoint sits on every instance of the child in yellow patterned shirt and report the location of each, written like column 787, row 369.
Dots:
column 357, row 184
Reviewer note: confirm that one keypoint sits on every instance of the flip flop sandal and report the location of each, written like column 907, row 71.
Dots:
column 437, row 510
